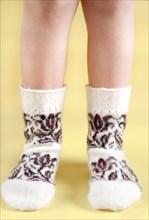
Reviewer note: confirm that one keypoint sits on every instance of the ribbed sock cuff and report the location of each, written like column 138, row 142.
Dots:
column 42, row 101
column 108, row 101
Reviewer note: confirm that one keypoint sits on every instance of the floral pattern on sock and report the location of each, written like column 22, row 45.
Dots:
column 35, row 167
column 41, row 129
column 110, row 169
column 105, row 132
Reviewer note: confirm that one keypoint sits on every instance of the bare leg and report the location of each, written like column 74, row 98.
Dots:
column 110, row 26
column 44, row 38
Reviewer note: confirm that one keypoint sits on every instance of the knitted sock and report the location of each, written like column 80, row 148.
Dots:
column 113, row 185
column 31, row 185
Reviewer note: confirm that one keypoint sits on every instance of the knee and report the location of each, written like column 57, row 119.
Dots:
column 100, row 13
column 47, row 10
column 111, row 8
column 108, row 8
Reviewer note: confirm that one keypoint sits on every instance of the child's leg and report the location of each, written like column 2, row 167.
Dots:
column 44, row 39
column 45, row 30
column 110, row 26
column 113, row 185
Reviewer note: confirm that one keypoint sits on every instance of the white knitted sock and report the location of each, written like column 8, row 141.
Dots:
column 31, row 185
column 113, row 185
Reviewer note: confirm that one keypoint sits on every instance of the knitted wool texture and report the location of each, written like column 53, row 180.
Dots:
column 31, row 184
column 113, row 184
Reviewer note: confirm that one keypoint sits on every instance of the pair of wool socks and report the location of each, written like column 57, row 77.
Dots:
column 112, row 185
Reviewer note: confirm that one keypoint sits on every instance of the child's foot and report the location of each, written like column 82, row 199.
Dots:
column 113, row 185
column 31, row 185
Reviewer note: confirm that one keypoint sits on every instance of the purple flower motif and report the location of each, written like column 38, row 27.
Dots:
column 44, row 160
column 102, row 164
column 23, row 158
column 35, row 167
column 98, row 123
column 50, row 121
column 28, row 172
column 43, row 117
column 122, row 122
column 58, row 135
column 15, row 173
column 44, row 139
column 48, row 175
column 105, row 132
column 43, row 129
column 104, row 140
column 118, row 137
column 111, row 169
column 112, row 176
column 53, row 160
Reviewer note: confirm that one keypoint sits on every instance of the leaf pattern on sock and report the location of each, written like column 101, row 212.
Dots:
column 41, row 129
column 111, row 169
column 105, row 132
column 35, row 167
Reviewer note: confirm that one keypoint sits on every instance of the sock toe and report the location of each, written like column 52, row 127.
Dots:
column 27, row 195
column 113, row 195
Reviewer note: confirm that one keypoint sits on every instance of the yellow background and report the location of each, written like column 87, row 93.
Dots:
column 72, row 180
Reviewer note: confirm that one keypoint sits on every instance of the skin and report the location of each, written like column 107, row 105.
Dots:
column 44, row 41
column 110, row 26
